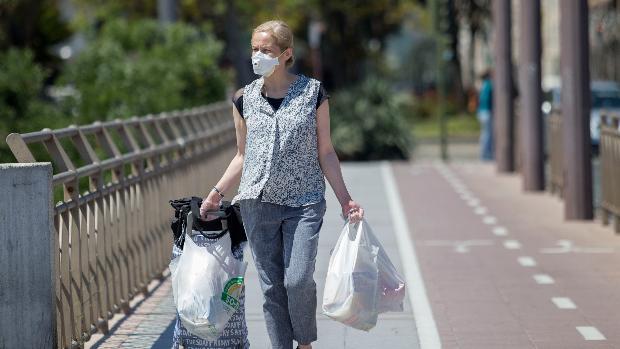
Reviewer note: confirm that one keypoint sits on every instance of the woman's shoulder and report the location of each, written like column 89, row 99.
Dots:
column 247, row 88
column 310, row 81
column 237, row 95
column 319, row 85
column 252, row 84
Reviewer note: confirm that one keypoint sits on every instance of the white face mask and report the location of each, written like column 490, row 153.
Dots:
column 263, row 64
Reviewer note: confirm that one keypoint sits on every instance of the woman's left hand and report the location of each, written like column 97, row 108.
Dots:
column 353, row 211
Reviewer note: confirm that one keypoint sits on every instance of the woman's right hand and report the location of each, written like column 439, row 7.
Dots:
column 210, row 203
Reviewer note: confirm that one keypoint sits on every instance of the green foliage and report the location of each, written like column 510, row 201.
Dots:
column 461, row 125
column 33, row 24
column 21, row 105
column 427, row 106
column 98, row 11
column 141, row 67
column 368, row 123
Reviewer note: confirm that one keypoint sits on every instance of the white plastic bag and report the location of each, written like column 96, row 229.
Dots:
column 361, row 280
column 206, row 283
column 391, row 285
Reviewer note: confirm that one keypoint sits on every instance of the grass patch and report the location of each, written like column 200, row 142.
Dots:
column 459, row 125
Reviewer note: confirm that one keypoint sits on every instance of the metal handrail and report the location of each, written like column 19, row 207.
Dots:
column 556, row 155
column 610, row 169
column 113, row 238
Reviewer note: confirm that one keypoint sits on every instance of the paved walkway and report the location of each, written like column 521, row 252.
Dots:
column 499, row 268
column 152, row 322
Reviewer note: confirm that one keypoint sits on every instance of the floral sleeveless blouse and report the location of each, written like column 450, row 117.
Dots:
column 281, row 153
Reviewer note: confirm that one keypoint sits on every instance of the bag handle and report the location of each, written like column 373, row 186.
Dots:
column 189, row 223
column 195, row 208
column 195, row 213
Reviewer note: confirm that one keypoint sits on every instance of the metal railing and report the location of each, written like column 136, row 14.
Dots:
column 114, row 238
column 610, row 169
column 556, row 156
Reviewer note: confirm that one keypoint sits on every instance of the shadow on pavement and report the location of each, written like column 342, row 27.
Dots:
column 165, row 340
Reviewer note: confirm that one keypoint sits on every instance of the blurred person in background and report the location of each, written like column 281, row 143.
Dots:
column 485, row 116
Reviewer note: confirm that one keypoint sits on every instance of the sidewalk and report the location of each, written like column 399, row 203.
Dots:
column 150, row 326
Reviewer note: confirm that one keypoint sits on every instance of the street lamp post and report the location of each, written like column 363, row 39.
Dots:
column 440, row 77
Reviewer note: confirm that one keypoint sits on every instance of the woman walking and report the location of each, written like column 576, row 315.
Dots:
column 284, row 152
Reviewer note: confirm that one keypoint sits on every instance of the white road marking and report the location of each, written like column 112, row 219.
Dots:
column 464, row 194
column 512, row 244
column 563, row 303
column 461, row 190
column 473, row 202
column 480, row 210
column 425, row 323
column 462, row 246
column 567, row 246
column 591, row 333
column 543, row 279
column 500, row 231
column 490, row 220
column 527, row 261
column 465, row 197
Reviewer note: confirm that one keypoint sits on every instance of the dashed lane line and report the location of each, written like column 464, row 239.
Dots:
column 563, row 303
column 543, row 279
column 500, row 231
column 490, row 220
column 512, row 244
column 526, row 261
column 591, row 333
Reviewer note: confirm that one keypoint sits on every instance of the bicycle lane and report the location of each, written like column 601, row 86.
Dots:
column 501, row 268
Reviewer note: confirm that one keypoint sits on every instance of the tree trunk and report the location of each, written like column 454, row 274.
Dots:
column 237, row 49
column 471, row 69
column 455, row 61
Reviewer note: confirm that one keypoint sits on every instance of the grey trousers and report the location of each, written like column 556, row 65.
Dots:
column 284, row 242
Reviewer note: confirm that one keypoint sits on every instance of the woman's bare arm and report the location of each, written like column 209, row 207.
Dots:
column 331, row 165
column 232, row 174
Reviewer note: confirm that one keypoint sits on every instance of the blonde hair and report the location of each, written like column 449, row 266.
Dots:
column 281, row 33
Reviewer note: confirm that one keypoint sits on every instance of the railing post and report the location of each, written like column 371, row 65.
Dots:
column 27, row 257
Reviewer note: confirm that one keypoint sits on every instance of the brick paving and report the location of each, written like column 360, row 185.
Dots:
column 482, row 243
column 148, row 326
